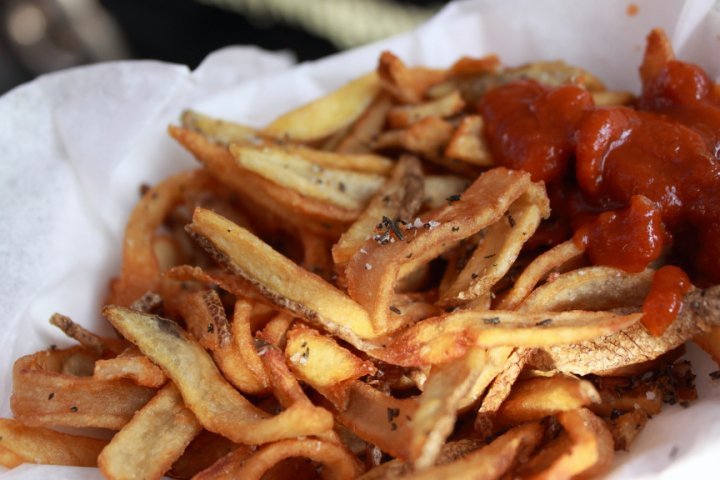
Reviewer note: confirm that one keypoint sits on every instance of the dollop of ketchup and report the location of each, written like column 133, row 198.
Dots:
column 633, row 183
column 530, row 127
column 629, row 238
column 663, row 303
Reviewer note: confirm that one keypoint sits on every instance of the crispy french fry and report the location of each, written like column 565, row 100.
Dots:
column 218, row 130
column 536, row 398
column 283, row 282
column 700, row 312
column 328, row 114
column 45, row 393
column 443, row 338
column 399, row 198
column 149, row 444
column 442, row 107
column 407, row 85
column 22, row 444
column 482, row 204
column 625, row 428
column 367, row 127
column 345, row 189
column 132, row 365
column 467, row 143
column 540, row 267
column 491, row 461
column 218, row 406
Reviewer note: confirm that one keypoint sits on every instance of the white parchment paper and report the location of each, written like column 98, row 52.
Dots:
column 76, row 145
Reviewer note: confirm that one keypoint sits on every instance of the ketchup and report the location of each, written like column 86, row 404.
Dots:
column 633, row 184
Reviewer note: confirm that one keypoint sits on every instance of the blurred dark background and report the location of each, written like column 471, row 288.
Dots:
column 41, row 36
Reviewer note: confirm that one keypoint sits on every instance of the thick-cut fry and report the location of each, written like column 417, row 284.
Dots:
column 367, row 127
column 482, row 204
column 399, row 198
column 499, row 390
column 491, row 461
column 468, row 144
column 133, row 365
column 427, row 137
column 218, row 130
column 286, row 204
column 309, row 354
column 328, row 114
column 710, row 342
column 23, row 444
column 238, row 286
column 700, row 312
column 44, row 395
column 148, row 445
column 536, row 398
column 499, row 247
column 345, row 189
column 590, row 288
column 218, row 406
column 355, row 162
column 337, row 462
column 446, row 386
column 446, row 106
column 443, row 338
column 287, row 285
column 379, row 418
column 537, row 270
column 407, row 85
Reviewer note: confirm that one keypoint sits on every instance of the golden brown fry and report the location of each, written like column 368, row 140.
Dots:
column 468, row 144
column 399, row 198
column 438, row 188
column 590, row 288
column 540, row 267
column 22, row 444
column 443, row 338
column 337, row 462
column 345, row 189
column 536, row 398
column 238, row 286
column 427, row 138
column 309, row 354
column 379, row 418
column 149, row 444
column 499, row 390
column 132, row 365
column 367, row 127
column 216, row 404
column 446, row 106
column 326, row 115
column 355, row 162
column 289, row 206
column 491, row 461
column 407, row 85
column 499, row 247
column 700, row 312
column 218, row 130
column 45, row 393
column 279, row 279
column 482, row 204
column 446, row 386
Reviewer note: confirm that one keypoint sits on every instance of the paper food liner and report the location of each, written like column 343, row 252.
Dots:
column 75, row 147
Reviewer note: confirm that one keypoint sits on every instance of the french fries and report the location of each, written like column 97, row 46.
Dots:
column 361, row 289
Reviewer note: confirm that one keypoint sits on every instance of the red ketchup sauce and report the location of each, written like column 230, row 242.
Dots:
column 631, row 185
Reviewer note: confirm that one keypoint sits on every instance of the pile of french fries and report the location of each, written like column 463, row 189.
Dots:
column 349, row 293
